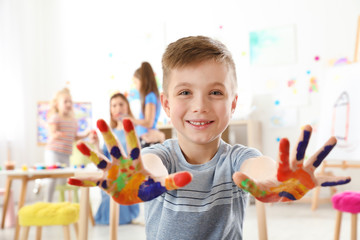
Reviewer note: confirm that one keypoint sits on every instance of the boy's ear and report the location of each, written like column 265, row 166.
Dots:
column 233, row 104
column 165, row 104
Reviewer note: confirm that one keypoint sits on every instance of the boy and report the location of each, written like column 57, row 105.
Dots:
column 203, row 197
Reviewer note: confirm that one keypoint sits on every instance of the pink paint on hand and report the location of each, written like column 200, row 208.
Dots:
column 83, row 149
column 101, row 124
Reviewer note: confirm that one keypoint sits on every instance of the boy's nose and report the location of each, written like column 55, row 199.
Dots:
column 200, row 104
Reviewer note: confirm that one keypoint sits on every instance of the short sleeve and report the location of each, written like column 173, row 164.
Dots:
column 240, row 154
column 151, row 98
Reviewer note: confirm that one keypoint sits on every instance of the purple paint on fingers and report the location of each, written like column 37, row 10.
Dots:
column 323, row 155
column 300, row 153
column 330, row 184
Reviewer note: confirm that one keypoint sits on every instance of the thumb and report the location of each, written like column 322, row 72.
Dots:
column 178, row 180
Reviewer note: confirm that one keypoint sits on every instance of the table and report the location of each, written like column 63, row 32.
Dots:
column 29, row 175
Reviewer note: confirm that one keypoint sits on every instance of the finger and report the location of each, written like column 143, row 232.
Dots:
column 332, row 181
column 83, row 182
column 177, row 180
column 90, row 182
column 111, row 171
column 112, row 144
column 298, row 154
column 132, row 141
column 320, row 155
column 150, row 189
column 100, row 161
column 283, row 171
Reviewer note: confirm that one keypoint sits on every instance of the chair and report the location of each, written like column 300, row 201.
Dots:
column 63, row 188
column 10, row 211
column 46, row 214
column 348, row 201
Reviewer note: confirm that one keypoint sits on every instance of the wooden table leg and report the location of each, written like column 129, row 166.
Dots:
column 261, row 217
column 84, row 213
column 6, row 200
column 114, row 218
column 315, row 199
column 24, row 182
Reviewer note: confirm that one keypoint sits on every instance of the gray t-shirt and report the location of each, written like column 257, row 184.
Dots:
column 210, row 207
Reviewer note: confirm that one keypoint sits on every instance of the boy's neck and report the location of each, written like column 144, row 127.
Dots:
column 199, row 153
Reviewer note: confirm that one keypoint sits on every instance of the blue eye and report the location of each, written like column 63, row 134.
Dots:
column 184, row 93
column 216, row 93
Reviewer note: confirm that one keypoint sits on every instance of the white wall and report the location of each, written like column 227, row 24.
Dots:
column 47, row 43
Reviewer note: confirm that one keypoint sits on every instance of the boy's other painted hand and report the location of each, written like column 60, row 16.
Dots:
column 294, row 179
column 125, row 178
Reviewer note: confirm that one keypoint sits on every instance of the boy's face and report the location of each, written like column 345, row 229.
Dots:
column 200, row 101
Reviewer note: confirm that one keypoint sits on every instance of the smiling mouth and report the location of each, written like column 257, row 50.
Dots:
column 199, row 123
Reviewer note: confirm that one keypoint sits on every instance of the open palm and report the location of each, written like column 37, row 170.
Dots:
column 125, row 178
column 293, row 179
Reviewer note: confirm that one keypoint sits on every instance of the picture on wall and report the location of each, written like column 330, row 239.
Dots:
column 340, row 115
column 273, row 46
column 83, row 114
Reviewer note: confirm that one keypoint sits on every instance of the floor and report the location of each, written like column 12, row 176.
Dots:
column 284, row 221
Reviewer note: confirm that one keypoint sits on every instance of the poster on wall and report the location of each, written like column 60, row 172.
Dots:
column 83, row 114
column 340, row 115
column 273, row 46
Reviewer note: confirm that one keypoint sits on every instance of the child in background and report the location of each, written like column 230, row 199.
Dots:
column 145, row 83
column 119, row 108
column 196, row 186
column 63, row 128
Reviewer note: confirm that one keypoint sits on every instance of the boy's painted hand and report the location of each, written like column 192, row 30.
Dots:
column 293, row 181
column 125, row 178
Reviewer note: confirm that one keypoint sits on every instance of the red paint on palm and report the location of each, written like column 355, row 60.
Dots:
column 83, row 149
column 101, row 124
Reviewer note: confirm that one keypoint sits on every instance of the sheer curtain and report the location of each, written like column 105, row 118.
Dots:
column 12, row 133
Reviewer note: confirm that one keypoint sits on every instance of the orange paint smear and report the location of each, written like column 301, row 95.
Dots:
column 129, row 194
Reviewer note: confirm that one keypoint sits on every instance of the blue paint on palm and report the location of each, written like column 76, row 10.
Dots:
column 300, row 153
column 150, row 189
column 115, row 152
column 287, row 195
column 322, row 155
column 102, row 164
column 135, row 153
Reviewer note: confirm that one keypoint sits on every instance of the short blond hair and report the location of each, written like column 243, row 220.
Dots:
column 54, row 102
column 195, row 49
